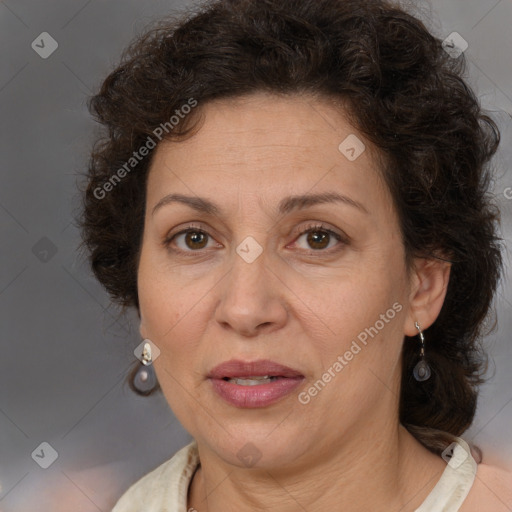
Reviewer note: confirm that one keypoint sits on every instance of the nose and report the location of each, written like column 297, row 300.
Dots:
column 251, row 298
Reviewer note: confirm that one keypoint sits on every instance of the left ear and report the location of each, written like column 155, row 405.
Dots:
column 429, row 283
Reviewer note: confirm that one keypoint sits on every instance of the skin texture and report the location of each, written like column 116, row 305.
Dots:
column 345, row 449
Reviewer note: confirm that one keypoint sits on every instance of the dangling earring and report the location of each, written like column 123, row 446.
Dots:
column 144, row 380
column 421, row 371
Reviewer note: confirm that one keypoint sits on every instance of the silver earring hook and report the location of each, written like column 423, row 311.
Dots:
column 422, row 339
column 422, row 370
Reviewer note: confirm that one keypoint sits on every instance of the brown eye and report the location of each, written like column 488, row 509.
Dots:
column 196, row 239
column 318, row 239
column 189, row 240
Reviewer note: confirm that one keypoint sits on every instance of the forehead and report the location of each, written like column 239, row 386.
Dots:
column 265, row 141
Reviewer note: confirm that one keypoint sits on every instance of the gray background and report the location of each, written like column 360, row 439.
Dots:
column 65, row 350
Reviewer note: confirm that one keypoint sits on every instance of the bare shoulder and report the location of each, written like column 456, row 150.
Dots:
column 491, row 491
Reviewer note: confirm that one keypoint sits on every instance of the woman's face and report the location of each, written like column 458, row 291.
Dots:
column 319, row 286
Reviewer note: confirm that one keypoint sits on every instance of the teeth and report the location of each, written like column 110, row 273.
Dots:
column 252, row 381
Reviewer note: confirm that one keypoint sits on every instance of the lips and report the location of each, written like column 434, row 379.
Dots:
column 241, row 383
column 242, row 369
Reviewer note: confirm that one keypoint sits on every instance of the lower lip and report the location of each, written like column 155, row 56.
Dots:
column 259, row 395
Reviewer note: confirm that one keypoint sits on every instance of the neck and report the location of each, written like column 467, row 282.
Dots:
column 365, row 473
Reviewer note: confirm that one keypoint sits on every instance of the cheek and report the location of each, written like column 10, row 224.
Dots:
column 168, row 315
column 359, row 318
column 174, row 313
column 167, row 297
column 351, row 299
column 167, row 318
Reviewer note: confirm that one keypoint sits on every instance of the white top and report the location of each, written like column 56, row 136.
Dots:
column 166, row 487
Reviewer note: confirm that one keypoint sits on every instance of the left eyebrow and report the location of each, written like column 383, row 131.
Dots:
column 300, row 202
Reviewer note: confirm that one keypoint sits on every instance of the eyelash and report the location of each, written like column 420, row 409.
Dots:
column 309, row 228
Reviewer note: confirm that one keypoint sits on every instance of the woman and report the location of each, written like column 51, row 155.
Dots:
column 293, row 195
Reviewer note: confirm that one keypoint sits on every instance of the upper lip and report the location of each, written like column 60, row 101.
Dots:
column 236, row 368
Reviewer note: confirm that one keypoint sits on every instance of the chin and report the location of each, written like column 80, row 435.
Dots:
column 263, row 445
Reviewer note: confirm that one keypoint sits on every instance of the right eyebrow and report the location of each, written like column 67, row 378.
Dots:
column 199, row 204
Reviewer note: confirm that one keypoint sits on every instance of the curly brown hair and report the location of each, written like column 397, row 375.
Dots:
column 403, row 91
